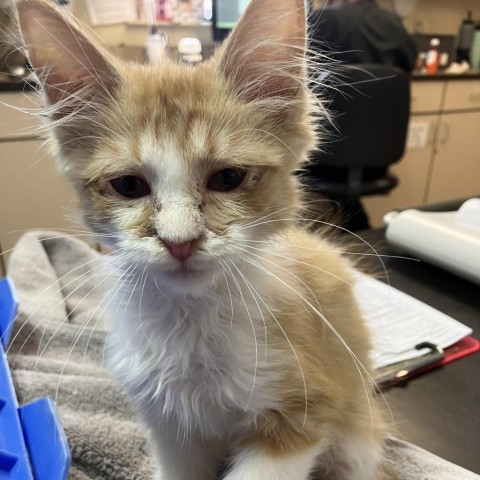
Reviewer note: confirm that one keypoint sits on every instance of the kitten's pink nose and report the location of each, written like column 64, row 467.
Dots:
column 181, row 251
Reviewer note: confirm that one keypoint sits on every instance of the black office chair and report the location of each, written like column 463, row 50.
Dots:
column 370, row 108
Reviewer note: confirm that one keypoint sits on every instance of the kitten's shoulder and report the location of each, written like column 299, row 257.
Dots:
column 317, row 258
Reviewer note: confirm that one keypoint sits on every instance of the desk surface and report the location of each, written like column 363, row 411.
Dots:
column 439, row 411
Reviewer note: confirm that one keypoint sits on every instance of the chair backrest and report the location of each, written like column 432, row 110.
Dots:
column 370, row 109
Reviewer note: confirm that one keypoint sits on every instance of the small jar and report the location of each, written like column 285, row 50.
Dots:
column 190, row 50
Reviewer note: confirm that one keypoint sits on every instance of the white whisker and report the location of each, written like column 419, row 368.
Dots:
column 57, row 329
column 81, row 331
column 334, row 226
column 359, row 366
column 229, row 295
column 254, row 381
column 291, row 347
column 38, row 323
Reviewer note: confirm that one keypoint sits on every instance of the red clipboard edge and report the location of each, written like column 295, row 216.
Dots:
column 465, row 346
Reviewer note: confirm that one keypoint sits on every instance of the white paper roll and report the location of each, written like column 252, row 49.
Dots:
column 441, row 238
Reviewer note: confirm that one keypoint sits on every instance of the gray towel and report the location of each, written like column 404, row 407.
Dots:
column 57, row 350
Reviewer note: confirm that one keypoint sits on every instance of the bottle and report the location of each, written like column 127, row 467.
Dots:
column 207, row 10
column 190, row 50
column 433, row 57
column 156, row 45
column 465, row 37
column 475, row 49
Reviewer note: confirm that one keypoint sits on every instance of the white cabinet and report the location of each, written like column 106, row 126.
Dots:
column 462, row 95
column 444, row 161
column 32, row 194
column 426, row 97
column 456, row 169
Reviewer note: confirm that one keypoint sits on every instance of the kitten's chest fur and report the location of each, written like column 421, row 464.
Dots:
column 188, row 359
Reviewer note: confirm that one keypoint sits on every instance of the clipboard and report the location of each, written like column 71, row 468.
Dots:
column 397, row 322
column 401, row 372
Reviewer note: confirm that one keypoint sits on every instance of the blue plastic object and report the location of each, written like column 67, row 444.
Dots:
column 33, row 444
column 8, row 310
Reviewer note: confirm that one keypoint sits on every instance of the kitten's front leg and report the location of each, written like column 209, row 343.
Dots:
column 255, row 463
column 182, row 457
column 352, row 459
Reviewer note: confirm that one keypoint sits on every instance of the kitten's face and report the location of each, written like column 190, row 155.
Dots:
column 184, row 161
column 178, row 168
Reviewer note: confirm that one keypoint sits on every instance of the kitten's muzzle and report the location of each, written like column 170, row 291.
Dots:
column 181, row 251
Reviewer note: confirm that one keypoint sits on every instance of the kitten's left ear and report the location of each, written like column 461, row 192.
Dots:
column 265, row 54
column 67, row 63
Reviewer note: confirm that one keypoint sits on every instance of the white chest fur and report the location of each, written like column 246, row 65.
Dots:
column 192, row 359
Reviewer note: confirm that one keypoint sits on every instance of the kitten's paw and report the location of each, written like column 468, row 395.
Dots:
column 252, row 464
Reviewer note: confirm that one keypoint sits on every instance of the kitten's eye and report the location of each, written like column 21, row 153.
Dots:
column 226, row 180
column 130, row 186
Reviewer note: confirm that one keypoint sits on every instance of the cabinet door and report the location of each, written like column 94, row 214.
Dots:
column 456, row 170
column 426, row 96
column 463, row 95
column 32, row 194
column 412, row 171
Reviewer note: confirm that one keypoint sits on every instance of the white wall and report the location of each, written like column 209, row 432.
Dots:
column 430, row 16
column 438, row 16
column 434, row 16
column 135, row 34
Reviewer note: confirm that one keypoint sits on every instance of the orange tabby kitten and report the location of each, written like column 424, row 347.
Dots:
column 240, row 341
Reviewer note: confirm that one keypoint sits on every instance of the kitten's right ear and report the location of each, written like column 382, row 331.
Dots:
column 66, row 62
column 264, row 56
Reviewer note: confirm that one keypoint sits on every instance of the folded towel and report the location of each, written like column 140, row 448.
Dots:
column 57, row 350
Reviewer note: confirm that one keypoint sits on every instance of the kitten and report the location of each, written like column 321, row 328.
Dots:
column 240, row 339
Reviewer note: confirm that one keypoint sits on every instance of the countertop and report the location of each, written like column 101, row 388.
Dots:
column 18, row 84
column 470, row 75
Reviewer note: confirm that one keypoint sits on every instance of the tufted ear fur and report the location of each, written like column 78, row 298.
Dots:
column 66, row 62
column 76, row 77
column 265, row 54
